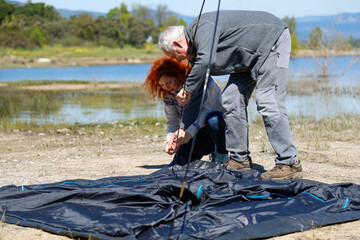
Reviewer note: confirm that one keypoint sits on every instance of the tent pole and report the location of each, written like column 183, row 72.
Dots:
column 207, row 76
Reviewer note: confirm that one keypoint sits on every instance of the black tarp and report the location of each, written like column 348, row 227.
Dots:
column 217, row 204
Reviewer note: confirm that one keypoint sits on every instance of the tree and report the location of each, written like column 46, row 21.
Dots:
column 171, row 21
column 113, row 13
column 124, row 15
column 108, row 32
column 162, row 13
column 139, row 31
column 82, row 26
column 38, row 37
column 11, row 35
column 48, row 13
column 351, row 41
column 141, row 12
column 6, row 9
column 291, row 24
column 323, row 45
column 55, row 29
column 182, row 22
column 315, row 38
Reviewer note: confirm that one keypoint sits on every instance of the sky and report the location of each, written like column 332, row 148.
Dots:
column 280, row 8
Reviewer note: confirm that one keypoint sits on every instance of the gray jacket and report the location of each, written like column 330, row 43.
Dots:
column 212, row 102
column 242, row 43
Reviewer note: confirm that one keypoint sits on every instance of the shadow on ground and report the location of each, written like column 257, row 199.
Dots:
column 258, row 167
column 154, row 166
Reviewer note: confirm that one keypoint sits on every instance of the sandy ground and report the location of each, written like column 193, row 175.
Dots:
column 33, row 158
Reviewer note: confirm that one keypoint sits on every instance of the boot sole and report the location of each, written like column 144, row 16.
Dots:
column 296, row 175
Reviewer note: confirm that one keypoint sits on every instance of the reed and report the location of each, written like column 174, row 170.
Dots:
column 317, row 86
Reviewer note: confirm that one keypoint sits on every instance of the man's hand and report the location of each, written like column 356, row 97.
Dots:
column 183, row 97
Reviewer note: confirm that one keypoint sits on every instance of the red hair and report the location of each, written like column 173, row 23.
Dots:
column 164, row 66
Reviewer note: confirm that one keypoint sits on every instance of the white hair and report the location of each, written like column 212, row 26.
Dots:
column 167, row 37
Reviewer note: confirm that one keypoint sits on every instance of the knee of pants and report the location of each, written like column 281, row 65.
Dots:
column 267, row 106
column 213, row 120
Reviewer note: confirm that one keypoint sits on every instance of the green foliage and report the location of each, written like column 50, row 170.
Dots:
column 108, row 32
column 6, row 9
column 14, row 100
column 182, row 22
column 141, row 12
column 162, row 14
column 113, row 13
column 14, row 39
column 295, row 44
column 55, row 29
column 38, row 10
column 315, row 38
column 138, row 32
column 351, row 41
column 155, row 35
column 82, row 26
column 124, row 15
column 37, row 37
column 36, row 24
column 291, row 24
column 11, row 35
column 171, row 21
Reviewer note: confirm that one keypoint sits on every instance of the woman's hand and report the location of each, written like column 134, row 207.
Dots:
column 176, row 140
column 171, row 146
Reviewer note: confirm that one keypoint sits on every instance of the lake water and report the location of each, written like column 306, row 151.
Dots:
column 300, row 68
column 317, row 106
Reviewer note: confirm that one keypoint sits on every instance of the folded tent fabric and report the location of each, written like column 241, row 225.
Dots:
column 218, row 203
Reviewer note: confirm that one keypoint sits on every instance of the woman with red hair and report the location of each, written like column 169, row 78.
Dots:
column 165, row 78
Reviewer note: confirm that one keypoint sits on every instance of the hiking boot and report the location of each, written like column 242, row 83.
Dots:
column 230, row 163
column 282, row 172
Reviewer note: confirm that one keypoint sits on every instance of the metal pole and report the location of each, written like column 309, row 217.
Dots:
column 187, row 68
column 207, row 76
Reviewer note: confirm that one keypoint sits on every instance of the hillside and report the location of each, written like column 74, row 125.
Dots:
column 345, row 23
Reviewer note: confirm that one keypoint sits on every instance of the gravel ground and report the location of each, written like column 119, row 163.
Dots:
column 34, row 158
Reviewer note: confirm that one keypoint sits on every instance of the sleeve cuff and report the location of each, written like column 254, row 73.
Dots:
column 168, row 136
column 192, row 129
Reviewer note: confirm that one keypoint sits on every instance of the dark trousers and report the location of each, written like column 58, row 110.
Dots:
column 215, row 125
column 206, row 138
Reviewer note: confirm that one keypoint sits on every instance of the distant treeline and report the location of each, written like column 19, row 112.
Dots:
column 36, row 24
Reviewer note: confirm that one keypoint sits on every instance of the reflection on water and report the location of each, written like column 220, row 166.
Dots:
column 72, row 113
column 317, row 106
column 77, row 106
column 308, row 94
column 110, row 106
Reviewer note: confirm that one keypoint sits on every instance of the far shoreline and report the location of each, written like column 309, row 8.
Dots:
column 11, row 62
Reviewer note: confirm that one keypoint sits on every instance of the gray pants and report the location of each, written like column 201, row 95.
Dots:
column 270, row 100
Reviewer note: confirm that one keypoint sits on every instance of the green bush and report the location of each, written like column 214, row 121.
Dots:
column 38, row 37
column 15, row 39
